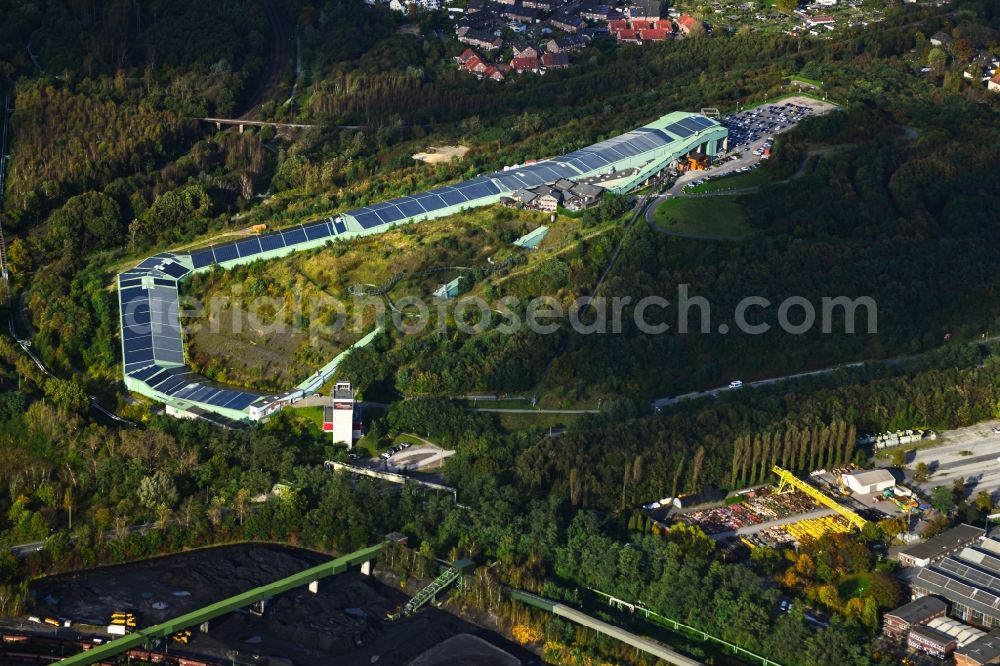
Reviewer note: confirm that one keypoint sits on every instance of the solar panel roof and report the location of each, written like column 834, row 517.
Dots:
column 249, row 247
column 293, row 236
column 271, row 242
column 679, row 130
column 226, row 252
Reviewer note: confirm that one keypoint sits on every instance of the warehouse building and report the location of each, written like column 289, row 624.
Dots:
column 153, row 361
column 969, row 579
column 943, row 544
column 871, row 481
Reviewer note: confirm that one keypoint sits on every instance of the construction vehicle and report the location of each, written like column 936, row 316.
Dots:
column 905, row 503
column 182, row 636
column 258, row 228
column 123, row 619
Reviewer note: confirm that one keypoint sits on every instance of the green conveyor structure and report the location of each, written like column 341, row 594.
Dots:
column 145, row 637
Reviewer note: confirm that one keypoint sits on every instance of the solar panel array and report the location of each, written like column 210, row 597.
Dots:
column 968, row 578
column 401, row 208
column 287, row 238
column 687, row 126
column 182, row 384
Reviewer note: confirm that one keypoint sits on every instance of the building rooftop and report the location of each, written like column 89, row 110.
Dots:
column 983, row 651
column 963, row 633
column 970, row 577
column 872, row 476
column 932, row 634
column 919, row 610
column 944, row 543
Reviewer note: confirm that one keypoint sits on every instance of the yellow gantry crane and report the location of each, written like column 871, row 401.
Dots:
column 789, row 479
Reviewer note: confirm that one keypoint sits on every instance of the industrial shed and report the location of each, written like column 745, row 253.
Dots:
column 871, row 481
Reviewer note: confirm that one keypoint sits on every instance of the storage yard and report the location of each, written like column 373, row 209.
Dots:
column 761, row 505
column 344, row 623
column 971, row 453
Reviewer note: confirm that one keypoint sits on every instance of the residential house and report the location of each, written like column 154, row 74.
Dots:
column 522, row 49
column 688, row 24
column 480, row 39
column 814, row 21
column 627, row 35
column 521, row 65
column 520, row 13
column 555, row 60
column 566, row 44
column 571, row 23
column 541, row 5
column 466, row 56
column 655, row 35
column 644, row 9
column 598, row 12
column 547, row 199
column 994, row 83
column 941, row 38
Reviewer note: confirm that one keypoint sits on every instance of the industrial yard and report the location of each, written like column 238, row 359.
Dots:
column 971, row 453
column 344, row 623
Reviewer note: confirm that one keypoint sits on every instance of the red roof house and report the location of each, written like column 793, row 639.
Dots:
column 687, row 23
column 555, row 60
column 524, row 64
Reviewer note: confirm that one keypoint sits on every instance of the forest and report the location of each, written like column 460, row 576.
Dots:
column 108, row 166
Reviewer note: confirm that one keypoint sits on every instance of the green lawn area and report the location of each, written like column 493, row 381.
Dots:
column 748, row 179
column 853, row 586
column 314, row 414
column 716, row 217
column 519, row 422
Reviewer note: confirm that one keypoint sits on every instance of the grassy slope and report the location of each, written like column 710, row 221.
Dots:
column 716, row 217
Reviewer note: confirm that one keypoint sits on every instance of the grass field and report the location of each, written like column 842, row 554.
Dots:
column 720, row 218
column 312, row 414
column 853, row 586
column 518, row 422
column 736, row 181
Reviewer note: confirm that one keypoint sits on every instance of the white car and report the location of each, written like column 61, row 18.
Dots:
column 996, row 430
column 736, row 383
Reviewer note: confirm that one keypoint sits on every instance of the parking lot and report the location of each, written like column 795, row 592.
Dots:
column 747, row 127
column 749, row 131
column 971, row 453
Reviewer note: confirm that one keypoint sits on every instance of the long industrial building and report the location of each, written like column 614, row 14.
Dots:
column 152, row 339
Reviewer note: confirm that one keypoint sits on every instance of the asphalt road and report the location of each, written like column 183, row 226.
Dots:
column 24, row 549
column 712, row 393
